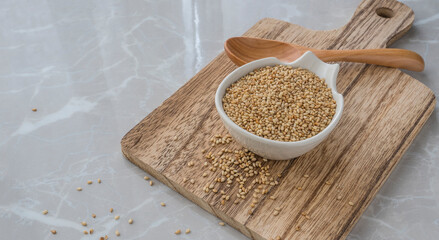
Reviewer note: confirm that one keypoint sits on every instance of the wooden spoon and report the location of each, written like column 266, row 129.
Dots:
column 242, row 50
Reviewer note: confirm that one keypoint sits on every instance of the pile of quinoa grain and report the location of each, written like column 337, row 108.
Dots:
column 280, row 103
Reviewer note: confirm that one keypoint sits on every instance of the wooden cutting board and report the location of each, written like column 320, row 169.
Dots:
column 384, row 110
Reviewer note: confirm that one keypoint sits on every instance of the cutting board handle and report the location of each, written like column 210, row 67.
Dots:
column 377, row 23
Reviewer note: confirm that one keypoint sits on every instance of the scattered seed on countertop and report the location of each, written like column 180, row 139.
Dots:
column 79, row 189
column 117, row 233
column 84, row 224
column 178, row 232
column 111, row 210
column 91, row 230
column 130, row 221
column 89, row 182
column 99, row 180
column 34, row 109
column 101, row 238
column 53, row 232
column 187, row 231
column 93, row 215
column 221, row 223
column 146, row 177
column 45, row 212
column 151, row 183
column 163, row 204
column 85, row 232
column 116, row 217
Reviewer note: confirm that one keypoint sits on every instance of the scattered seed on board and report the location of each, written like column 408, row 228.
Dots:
column 163, row 204
column 34, row 109
column 45, row 212
column 85, row 232
column 53, row 232
column 89, row 182
column 91, row 230
column 221, row 223
column 111, row 210
column 178, row 232
column 151, row 183
column 187, row 231
column 116, row 217
column 93, row 215
column 351, row 203
column 84, row 224
column 130, row 221
column 99, row 180
column 117, row 233
column 79, row 189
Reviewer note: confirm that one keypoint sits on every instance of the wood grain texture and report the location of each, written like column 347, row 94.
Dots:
column 384, row 111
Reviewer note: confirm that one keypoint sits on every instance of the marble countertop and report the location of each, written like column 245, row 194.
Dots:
column 93, row 69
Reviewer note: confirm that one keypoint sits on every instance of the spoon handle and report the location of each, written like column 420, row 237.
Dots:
column 389, row 57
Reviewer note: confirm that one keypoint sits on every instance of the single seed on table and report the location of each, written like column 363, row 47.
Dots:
column 93, row 215
column 185, row 180
column 192, row 181
column 178, row 232
column 275, row 213
column 45, row 212
column 79, row 189
column 187, row 231
column 278, row 238
column 204, row 174
column 338, row 197
column 101, row 238
column 89, row 182
column 307, row 217
column 273, row 197
column 351, row 203
column 303, row 213
column 84, row 224
column 99, row 180
column 298, row 228
column 328, row 183
column 306, row 176
column 106, row 237
column 151, row 183
column 111, row 210
column 85, row 232
column 163, row 204
column 117, row 233
column 53, row 232
column 221, row 223
column 130, row 221
column 299, row 188
column 277, row 208
column 146, row 177
column 175, row 138
column 116, row 217
column 91, row 230
column 34, row 109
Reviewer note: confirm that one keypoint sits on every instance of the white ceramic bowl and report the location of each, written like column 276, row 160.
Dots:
column 271, row 149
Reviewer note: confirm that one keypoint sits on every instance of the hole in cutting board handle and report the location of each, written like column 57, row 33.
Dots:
column 384, row 12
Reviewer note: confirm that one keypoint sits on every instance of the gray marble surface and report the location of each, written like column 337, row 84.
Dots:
column 93, row 69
